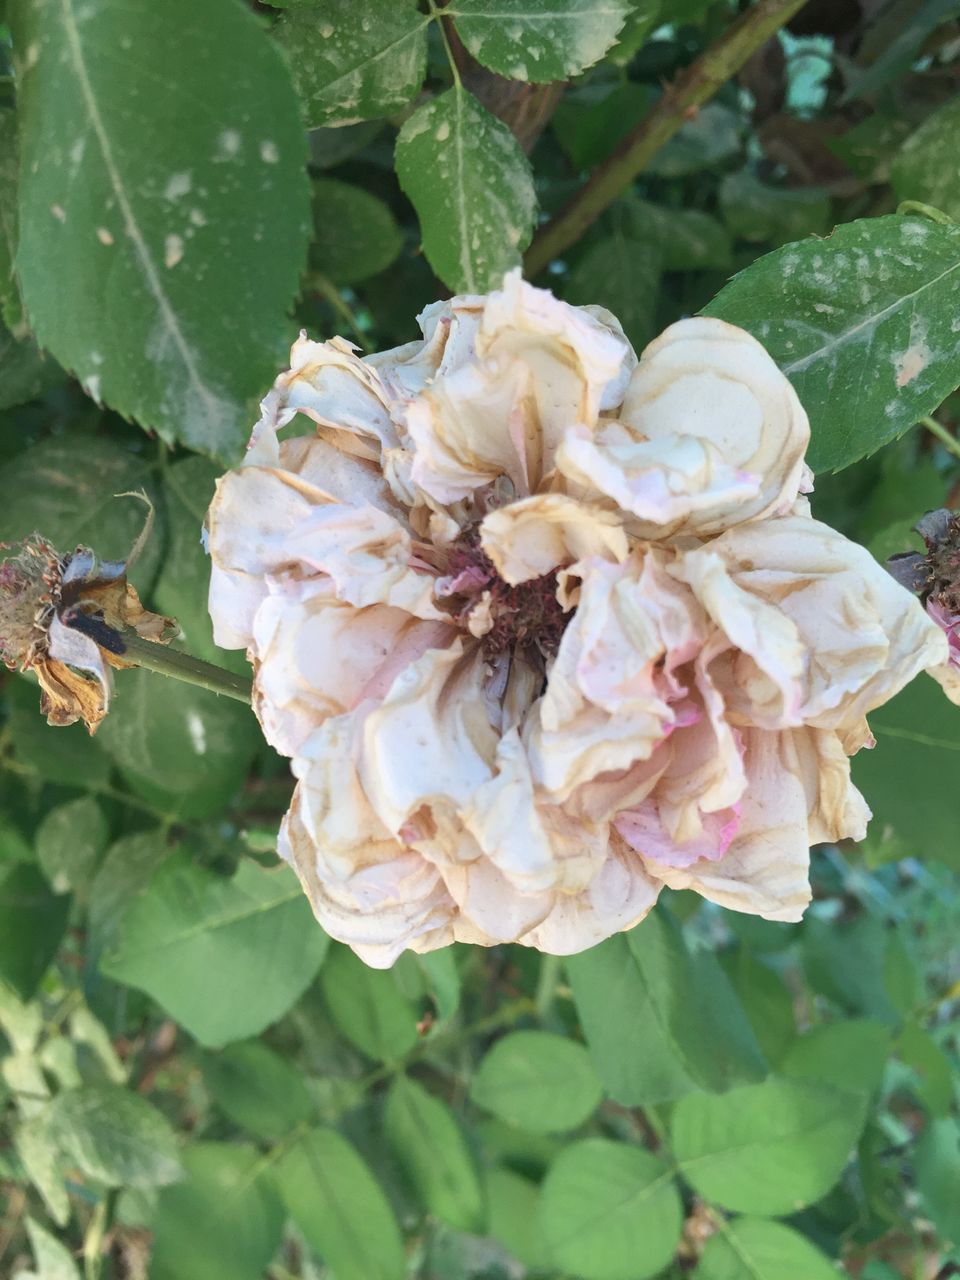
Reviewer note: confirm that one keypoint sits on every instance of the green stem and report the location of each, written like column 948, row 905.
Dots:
column 937, row 429
column 693, row 87
column 327, row 289
column 547, row 979
column 181, row 666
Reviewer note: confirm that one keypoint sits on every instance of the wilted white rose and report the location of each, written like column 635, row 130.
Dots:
column 544, row 629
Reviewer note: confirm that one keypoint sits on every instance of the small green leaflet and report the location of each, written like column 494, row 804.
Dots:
column 865, row 324
column 925, row 168
column 538, row 40
column 160, row 275
column 355, row 61
column 472, row 188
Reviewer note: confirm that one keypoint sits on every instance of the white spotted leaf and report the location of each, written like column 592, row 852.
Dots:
column 539, row 40
column 865, row 324
column 160, row 274
column 355, row 61
column 471, row 186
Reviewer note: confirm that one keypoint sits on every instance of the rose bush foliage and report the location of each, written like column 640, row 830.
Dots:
column 434, row 551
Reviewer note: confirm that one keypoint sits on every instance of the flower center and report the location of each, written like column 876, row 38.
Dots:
column 527, row 616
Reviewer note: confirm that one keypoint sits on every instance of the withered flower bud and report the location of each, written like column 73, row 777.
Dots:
column 934, row 576
column 64, row 617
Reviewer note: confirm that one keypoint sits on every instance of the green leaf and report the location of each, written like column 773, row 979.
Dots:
column 355, row 62
column 925, row 168
column 442, row 979
column 257, row 1089
column 472, row 188
column 66, row 487
column 915, row 22
column 763, row 214
column 115, row 1136
column 52, row 1259
column 912, row 768
column 644, row 17
column 223, row 1221
column 10, row 304
column 622, row 274
column 755, row 1249
column 160, row 275
column 844, row 961
column 653, row 1031
column 537, row 1081
column 710, row 138
column 688, row 239
column 539, row 40
column 767, row 1148
column 934, row 1072
column 34, row 1145
column 592, row 119
column 338, row 1205
column 367, row 1007
column 864, row 320
column 224, row 957
column 767, row 1001
column 69, row 843
column 513, row 1211
column 330, row 147
column 182, row 748
column 32, row 922
column 25, row 373
column 65, row 755
column 184, row 581
column 125, row 872
column 428, row 1143
column 938, row 1175
column 609, row 1211
column 355, row 234
column 851, row 1055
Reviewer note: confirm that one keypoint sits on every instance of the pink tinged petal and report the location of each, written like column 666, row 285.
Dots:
column 530, row 538
column 430, row 741
column 611, row 695
column 491, row 904
column 798, row 793
column 708, row 379
column 674, row 484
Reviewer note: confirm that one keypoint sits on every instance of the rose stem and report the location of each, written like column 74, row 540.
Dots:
column 943, row 435
column 182, row 666
column 694, row 86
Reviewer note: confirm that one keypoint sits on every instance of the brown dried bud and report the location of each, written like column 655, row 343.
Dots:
column 64, row 618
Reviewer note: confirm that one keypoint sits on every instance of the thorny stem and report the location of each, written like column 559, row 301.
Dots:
column 693, row 87
column 937, row 429
column 181, row 666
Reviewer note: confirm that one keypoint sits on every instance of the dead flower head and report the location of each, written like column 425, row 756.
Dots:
column 545, row 627
column 63, row 617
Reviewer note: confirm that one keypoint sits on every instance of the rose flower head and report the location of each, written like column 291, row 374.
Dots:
column 544, row 627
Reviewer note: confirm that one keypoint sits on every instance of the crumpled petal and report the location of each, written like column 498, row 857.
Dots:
column 706, row 379
column 530, row 538
column 827, row 624
column 541, row 366
column 612, row 695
